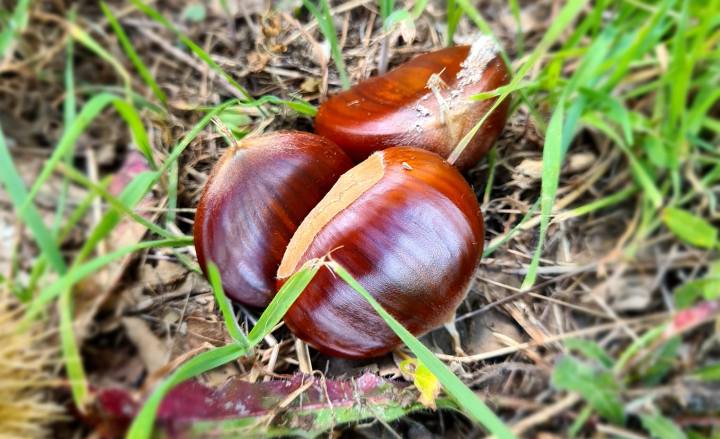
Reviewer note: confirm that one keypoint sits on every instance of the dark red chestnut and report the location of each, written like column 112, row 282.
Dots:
column 408, row 227
column 424, row 102
column 256, row 196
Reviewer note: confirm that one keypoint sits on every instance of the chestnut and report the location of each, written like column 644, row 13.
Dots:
column 256, row 196
column 408, row 227
column 424, row 102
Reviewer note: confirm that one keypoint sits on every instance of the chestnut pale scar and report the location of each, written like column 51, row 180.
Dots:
column 349, row 187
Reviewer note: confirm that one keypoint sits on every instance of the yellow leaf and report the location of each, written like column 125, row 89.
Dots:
column 424, row 381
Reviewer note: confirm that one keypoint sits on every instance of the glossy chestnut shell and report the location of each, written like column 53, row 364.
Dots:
column 408, row 227
column 399, row 108
column 256, row 196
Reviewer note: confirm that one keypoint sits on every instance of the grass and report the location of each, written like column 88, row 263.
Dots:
column 582, row 73
column 142, row 426
column 127, row 46
column 15, row 25
column 197, row 50
column 321, row 12
column 29, row 215
column 552, row 160
column 466, row 399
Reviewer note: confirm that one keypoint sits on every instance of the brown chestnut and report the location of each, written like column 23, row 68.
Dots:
column 408, row 227
column 256, row 196
column 424, row 102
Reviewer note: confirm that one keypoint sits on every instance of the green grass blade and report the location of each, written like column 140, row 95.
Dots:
column 508, row 236
column 132, row 54
column 137, row 129
column 78, row 177
column 142, row 426
column 136, row 100
column 89, row 112
column 454, row 13
column 17, row 23
column 386, row 8
column 519, row 35
column 466, row 398
column 190, row 44
column 172, row 191
column 18, row 194
column 88, row 41
column 68, row 344
column 283, row 300
column 662, row 427
column 300, row 106
column 191, row 135
column 492, row 165
column 563, row 20
column 80, row 272
column 419, row 8
column 71, row 352
column 638, row 345
column 552, row 161
column 322, row 15
column 601, row 203
column 129, row 197
column 69, row 113
column 225, row 306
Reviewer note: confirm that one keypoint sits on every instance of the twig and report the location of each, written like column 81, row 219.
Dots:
column 543, row 415
column 552, row 339
column 333, row 11
column 303, row 356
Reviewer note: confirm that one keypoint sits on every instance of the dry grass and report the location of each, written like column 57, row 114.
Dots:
column 27, row 361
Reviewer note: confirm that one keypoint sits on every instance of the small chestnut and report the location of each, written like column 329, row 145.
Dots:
column 408, row 227
column 256, row 196
column 424, row 102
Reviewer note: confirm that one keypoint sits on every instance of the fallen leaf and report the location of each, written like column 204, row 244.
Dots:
column 311, row 405
column 689, row 318
column 427, row 384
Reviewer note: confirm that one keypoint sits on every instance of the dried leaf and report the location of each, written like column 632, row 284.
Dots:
column 424, row 380
column 310, row 405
